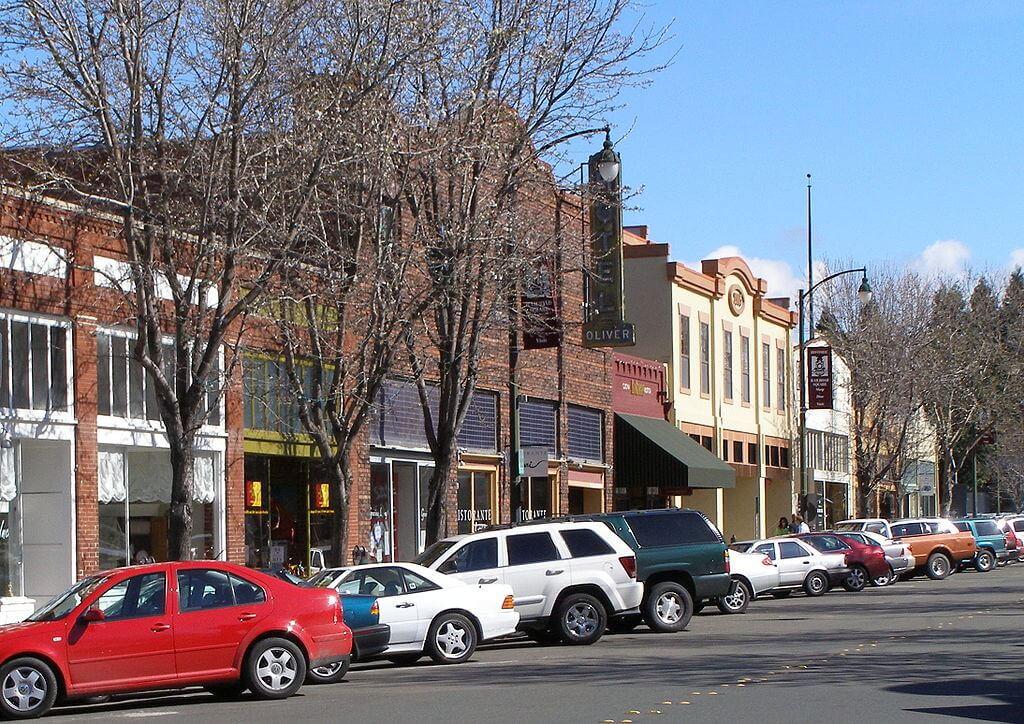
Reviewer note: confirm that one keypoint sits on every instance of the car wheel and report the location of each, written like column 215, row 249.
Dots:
column 816, row 584
column 884, row 580
column 330, row 674
column 938, row 566
column 404, row 659
column 985, row 561
column 227, row 691
column 275, row 669
column 668, row 607
column 28, row 688
column 451, row 639
column 624, row 624
column 856, row 580
column 781, row 594
column 737, row 600
column 581, row 619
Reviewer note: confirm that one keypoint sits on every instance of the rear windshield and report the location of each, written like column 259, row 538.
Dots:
column 987, row 527
column 432, row 553
column 827, row 543
column 671, row 529
column 848, row 526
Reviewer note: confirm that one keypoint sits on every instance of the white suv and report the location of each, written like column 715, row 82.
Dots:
column 567, row 577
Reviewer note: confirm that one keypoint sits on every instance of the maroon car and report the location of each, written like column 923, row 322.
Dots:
column 866, row 562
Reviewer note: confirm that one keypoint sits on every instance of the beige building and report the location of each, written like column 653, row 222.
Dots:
column 727, row 348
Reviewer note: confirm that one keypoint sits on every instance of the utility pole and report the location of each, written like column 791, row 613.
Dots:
column 810, row 267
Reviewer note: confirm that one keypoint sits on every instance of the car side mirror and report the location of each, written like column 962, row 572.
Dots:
column 93, row 615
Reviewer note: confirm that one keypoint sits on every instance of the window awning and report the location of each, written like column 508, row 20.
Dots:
column 653, row 452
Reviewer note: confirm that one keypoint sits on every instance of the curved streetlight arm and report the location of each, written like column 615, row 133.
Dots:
column 863, row 271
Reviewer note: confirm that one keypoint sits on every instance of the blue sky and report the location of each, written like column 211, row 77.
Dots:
column 909, row 115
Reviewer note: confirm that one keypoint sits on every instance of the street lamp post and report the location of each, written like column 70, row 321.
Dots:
column 864, row 295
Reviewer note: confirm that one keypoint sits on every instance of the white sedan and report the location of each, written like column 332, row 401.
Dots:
column 428, row 612
column 752, row 574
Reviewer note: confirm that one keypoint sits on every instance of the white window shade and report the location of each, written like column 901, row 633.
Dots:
column 8, row 476
column 111, row 477
column 204, row 481
column 149, row 477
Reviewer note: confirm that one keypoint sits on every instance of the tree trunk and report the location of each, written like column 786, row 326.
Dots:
column 179, row 533
column 437, row 491
column 952, row 477
column 341, row 483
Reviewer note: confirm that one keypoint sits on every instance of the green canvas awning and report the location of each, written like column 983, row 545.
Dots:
column 653, row 452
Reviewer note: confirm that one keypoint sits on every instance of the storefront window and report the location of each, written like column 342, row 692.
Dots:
column 33, row 364
column 379, row 546
column 134, row 506
column 531, row 499
column 474, row 510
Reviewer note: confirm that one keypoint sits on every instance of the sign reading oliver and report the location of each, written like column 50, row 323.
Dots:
column 605, row 324
column 819, row 378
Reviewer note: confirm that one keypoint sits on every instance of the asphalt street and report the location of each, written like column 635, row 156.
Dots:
column 919, row 651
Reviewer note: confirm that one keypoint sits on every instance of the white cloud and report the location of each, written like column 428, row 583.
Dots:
column 945, row 258
column 782, row 280
column 1016, row 258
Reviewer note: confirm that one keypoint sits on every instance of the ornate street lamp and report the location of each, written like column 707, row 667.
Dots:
column 864, row 295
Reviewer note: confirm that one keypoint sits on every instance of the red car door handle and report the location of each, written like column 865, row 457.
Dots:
column 247, row 617
column 158, row 627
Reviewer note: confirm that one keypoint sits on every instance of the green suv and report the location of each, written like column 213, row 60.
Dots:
column 680, row 558
column 990, row 539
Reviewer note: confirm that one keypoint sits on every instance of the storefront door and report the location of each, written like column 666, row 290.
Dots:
column 398, row 509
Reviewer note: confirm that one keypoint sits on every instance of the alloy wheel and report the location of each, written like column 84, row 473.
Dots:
column 736, row 598
column 328, row 670
column 276, row 668
column 24, row 688
column 581, row 620
column 669, row 607
column 857, row 578
column 451, row 639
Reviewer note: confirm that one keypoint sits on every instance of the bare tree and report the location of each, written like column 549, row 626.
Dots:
column 883, row 345
column 508, row 82
column 182, row 119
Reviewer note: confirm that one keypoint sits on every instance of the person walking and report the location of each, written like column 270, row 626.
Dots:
column 783, row 528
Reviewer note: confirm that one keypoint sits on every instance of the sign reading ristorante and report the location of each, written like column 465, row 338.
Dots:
column 605, row 324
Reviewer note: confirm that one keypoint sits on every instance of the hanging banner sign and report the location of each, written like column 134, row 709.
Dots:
column 320, row 497
column 254, row 498
column 819, row 378
column 605, row 324
column 541, row 323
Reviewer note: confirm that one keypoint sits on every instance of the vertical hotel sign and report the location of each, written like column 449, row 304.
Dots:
column 605, row 324
column 819, row 378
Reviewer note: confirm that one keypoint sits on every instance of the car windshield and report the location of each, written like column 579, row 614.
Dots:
column 431, row 554
column 327, row 579
column 61, row 605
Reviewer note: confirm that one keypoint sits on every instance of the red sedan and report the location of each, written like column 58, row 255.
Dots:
column 866, row 562
column 170, row 625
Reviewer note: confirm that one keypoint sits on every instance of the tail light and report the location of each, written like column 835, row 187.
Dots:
column 629, row 565
column 766, row 561
column 375, row 609
column 508, row 604
column 339, row 610
column 1011, row 539
column 728, row 566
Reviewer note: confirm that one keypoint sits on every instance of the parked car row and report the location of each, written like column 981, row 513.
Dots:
column 231, row 629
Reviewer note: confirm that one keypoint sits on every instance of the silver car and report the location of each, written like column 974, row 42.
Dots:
column 898, row 555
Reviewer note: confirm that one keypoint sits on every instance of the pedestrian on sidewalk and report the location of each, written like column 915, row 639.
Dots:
column 783, row 527
column 798, row 525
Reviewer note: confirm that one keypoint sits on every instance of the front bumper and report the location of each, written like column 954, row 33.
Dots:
column 370, row 641
column 836, row 576
column 901, row 564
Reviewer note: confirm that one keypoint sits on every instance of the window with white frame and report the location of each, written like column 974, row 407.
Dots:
column 34, row 363
column 124, row 387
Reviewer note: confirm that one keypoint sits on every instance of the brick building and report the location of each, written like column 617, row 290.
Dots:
column 84, row 467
